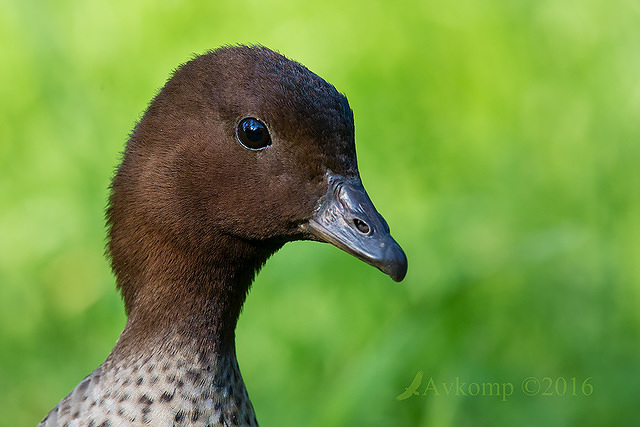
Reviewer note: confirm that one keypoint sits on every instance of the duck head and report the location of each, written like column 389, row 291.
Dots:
column 242, row 151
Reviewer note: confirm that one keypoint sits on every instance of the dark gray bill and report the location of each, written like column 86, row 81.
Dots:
column 348, row 220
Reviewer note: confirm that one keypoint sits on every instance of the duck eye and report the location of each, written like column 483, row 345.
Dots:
column 253, row 134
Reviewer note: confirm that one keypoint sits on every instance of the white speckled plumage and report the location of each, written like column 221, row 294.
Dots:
column 165, row 388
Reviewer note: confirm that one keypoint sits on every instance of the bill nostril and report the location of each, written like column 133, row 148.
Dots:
column 362, row 226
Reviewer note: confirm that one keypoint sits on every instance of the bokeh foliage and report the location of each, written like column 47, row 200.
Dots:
column 500, row 139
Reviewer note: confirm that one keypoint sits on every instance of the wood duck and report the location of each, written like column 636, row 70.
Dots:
column 240, row 152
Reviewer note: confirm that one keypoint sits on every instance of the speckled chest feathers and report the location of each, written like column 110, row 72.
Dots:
column 180, row 388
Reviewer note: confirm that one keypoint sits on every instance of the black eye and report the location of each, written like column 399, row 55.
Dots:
column 253, row 134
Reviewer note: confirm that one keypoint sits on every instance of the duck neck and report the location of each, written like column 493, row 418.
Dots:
column 183, row 299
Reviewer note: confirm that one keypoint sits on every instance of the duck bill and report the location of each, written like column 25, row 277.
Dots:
column 347, row 219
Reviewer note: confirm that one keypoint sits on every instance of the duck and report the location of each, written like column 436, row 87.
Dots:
column 242, row 151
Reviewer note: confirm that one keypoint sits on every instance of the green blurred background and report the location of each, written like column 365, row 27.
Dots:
column 500, row 139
